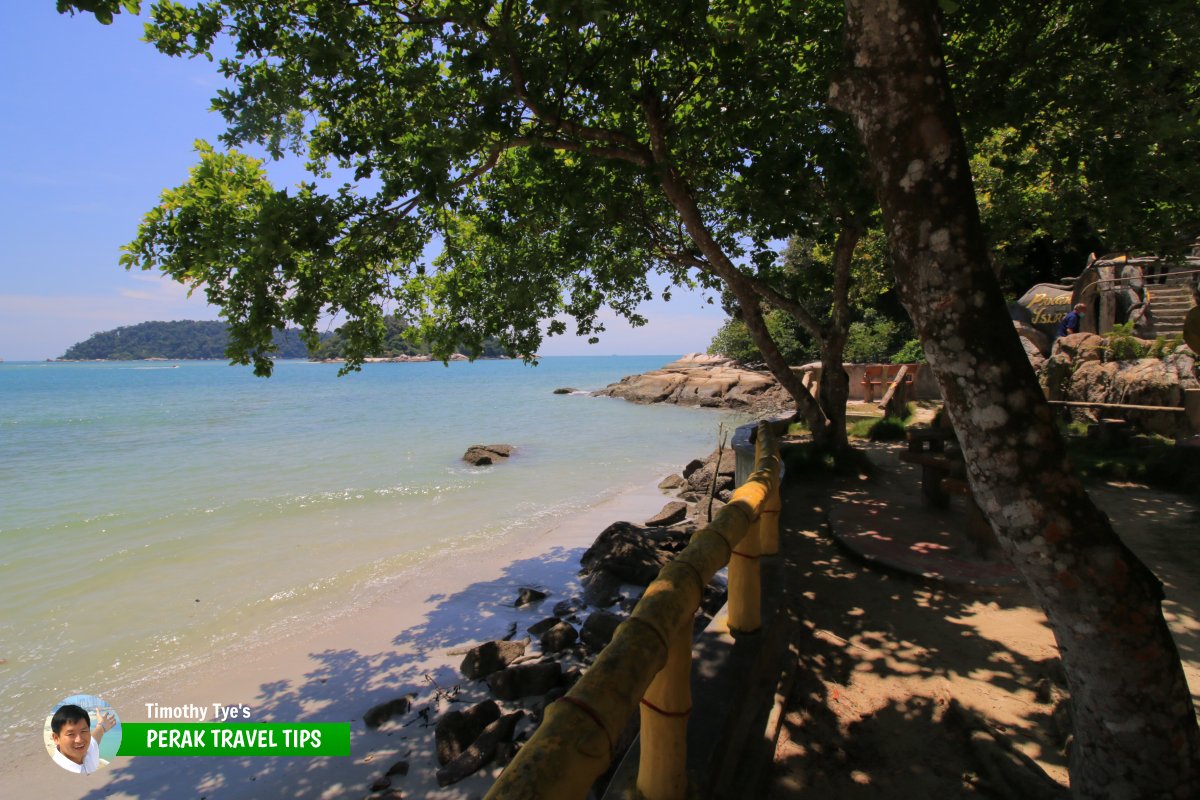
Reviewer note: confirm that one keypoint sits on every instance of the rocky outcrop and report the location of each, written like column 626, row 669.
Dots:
column 1078, row 371
column 707, row 381
column 481, row 455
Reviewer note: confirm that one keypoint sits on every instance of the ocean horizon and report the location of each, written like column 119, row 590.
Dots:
column 153, row 514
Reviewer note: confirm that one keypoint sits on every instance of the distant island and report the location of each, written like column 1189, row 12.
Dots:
column 207, row 339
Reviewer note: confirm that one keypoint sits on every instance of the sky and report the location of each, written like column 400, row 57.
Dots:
column 94, row 124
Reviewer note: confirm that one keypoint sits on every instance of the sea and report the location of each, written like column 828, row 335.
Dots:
column 152, row 513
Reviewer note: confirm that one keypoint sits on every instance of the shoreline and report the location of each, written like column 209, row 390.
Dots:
column 398, row 643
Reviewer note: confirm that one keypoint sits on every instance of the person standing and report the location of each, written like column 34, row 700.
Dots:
column 1072, row 321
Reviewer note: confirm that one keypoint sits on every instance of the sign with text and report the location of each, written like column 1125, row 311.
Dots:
column 235, row 739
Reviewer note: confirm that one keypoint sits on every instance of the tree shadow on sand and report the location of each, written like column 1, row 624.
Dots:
column 343, row 684
column 893, row 672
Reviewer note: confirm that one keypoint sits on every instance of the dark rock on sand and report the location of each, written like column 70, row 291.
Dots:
column 399, row 768
column 529, row 595
column 565, row 608
column 672, row 482
column 489, row 657
column 598, row 629
column 481, row 455
column 538, row 628
column 691, row 467
column 672, row 512
column 456, row 730
column 481, row 751
column 381, row 713
column 559, row 638
column 633, row 553
column 601, row 588
column 524, row 680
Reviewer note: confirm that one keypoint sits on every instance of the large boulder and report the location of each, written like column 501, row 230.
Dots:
column 456, row 730
column 713, row 382
column 481, row 751
column 672, row 512
column 1080, row 347
column 598, row 629
column 558, row 638
column 633, row 553
column 481, row 455
column 489, row 657
column 524, row 680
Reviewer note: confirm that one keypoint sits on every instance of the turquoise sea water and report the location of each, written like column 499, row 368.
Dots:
column 151, row 513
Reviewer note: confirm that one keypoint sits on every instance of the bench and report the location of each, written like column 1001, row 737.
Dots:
column 944, row 474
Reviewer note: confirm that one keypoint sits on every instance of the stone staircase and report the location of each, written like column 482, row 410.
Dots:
column 1168, row 305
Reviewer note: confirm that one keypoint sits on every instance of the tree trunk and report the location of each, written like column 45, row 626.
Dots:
column 835, row 383
column 807, row 407
column 680, row 197
column 1135, row 726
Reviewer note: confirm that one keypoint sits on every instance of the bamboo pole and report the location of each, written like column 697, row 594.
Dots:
column 768, row 521
column 662, row 767
column 576, row 741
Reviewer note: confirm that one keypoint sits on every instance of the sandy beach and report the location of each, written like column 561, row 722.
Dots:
column 407, row 642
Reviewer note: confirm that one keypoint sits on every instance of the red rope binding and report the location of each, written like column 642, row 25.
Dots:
column 745, row 555
column 658, row 710
column 591, row 712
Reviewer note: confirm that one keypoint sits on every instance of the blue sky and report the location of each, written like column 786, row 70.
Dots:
column 94, row 124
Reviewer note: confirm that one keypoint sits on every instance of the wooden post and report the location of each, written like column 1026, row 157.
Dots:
column 768, row 521
column 662, row 767
column 745, row 584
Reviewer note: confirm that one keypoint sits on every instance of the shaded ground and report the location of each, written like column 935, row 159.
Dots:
column 910, row 687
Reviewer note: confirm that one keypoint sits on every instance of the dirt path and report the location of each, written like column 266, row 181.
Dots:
column 913, row 689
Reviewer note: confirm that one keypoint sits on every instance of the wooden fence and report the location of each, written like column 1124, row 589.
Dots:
column 648, row 662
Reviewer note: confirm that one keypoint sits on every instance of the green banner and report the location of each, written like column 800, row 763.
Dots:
column 235, row 739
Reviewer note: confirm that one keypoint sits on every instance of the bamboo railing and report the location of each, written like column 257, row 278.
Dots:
column 648, row 662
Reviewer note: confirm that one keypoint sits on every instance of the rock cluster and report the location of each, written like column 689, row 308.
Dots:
column 1078, row 369
column 701, row 380
column 524, row 676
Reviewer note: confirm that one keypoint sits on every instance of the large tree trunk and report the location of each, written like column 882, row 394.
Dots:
column 1135, row 726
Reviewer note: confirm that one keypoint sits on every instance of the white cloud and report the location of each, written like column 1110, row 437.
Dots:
column 33, row 327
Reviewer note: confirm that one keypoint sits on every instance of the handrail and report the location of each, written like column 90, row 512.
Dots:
column 578, row 736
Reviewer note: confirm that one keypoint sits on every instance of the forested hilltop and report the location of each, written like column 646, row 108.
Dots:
column 194, row 339
column 183, row 339
column 395, row 344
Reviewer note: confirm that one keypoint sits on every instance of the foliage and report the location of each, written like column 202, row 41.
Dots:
column 808, row 458
column 1122, row 345
column 1154, row 461
column 1164, row 346
column 872, row 339
column 561, row 152
column 733, row 340
column 888, row 429
column 185, row 339
column 1081, row 117
column 911, row 352
column 400, row 339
